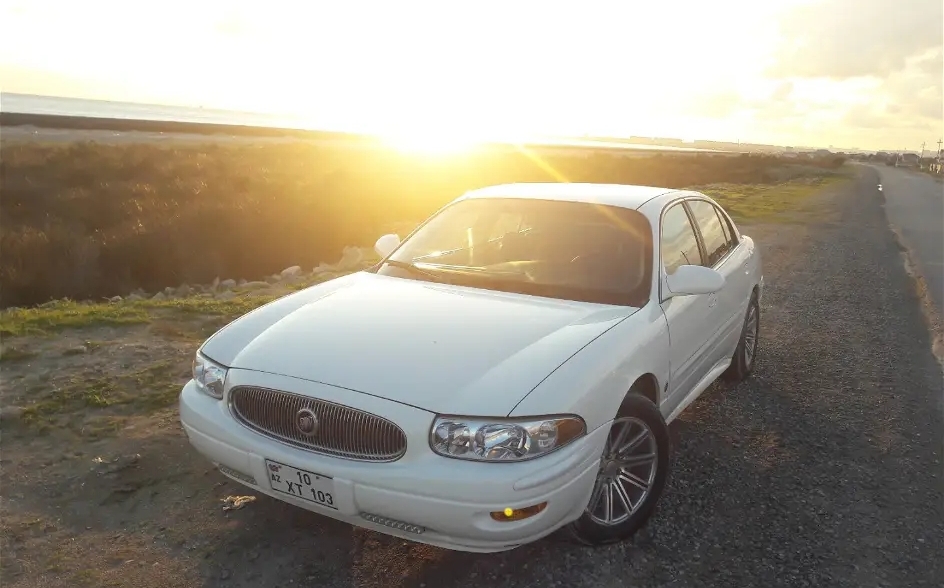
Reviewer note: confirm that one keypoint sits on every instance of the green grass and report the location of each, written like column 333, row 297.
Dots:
column 67, row 314
column 88, row 221
column 745, row 202
column 197, row 306
column 60, row 315
column 141, row 391
column 63, row 314
column 750, row 203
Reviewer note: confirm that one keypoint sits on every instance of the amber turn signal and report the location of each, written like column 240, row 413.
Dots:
column 517, row 514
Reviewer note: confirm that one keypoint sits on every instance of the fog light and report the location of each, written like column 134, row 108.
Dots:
column 517, row 514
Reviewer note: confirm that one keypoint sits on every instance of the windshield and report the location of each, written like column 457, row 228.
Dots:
column 558, row 249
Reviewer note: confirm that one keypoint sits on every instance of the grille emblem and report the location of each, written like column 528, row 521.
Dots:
column 306, row 421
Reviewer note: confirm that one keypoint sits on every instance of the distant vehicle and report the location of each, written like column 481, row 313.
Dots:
column 506, row 371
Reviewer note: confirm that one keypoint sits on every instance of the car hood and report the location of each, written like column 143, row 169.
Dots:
column 442, row 348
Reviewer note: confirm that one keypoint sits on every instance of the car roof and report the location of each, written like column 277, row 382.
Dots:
column 623, row 195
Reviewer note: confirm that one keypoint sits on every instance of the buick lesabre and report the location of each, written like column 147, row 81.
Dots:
column 507, row 370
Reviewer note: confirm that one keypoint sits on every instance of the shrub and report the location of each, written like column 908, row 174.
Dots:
column 87, row 220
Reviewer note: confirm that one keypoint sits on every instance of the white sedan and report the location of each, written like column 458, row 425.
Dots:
column 506, row 371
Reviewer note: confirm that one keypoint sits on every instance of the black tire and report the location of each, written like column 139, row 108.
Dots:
column 742, row 365
column 587, row 530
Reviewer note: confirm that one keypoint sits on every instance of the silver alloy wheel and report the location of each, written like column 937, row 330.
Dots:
column 750, row 335
column 627, row 471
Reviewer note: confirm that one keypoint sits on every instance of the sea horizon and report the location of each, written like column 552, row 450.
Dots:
column 13, row 103
column 18, row 103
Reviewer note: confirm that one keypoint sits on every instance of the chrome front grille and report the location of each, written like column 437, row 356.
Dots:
column 317, row 425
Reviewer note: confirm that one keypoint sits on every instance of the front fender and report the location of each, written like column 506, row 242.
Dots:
column 595, row 380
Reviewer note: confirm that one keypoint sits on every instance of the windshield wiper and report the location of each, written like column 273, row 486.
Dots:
column 414, row 269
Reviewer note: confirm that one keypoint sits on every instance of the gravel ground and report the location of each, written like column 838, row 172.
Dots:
column 824, row 469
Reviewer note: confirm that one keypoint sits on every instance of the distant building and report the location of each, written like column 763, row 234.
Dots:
column 908, row 160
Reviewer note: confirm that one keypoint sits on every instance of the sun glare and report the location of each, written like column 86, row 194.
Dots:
column 430, row 143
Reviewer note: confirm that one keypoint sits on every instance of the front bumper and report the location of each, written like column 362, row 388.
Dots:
column 422, row 497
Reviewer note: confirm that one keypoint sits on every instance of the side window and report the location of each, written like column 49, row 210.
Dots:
column 678, row 243
column 712, row 231
column 725, row 228
column 728, row 230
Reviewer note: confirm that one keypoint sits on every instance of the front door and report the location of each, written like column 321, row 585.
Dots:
column 688, row 317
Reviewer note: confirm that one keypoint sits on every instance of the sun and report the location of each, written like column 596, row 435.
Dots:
column 430, row 143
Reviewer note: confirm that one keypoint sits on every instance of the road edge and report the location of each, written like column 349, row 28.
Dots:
column 933, row 321
column 931, row 317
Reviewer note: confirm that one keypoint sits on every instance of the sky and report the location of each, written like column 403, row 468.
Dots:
column 848, row 73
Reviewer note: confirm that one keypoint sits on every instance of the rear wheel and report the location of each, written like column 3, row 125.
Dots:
column 632, row 475
column 742, row 363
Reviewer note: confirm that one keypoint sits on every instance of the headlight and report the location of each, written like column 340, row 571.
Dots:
column 208, row 376
column 481, row 439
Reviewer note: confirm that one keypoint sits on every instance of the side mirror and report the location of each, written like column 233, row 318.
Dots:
column 386, row 244
column 694, row 279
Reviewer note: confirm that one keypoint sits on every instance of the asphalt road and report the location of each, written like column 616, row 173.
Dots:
column 824, row 469
column 915, row 204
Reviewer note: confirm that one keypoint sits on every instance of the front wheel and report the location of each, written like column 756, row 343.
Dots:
column 632, row 475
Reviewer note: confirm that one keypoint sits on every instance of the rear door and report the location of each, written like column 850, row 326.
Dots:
column 719, row 245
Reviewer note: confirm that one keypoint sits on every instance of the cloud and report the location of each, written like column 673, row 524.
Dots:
column 783, row 91
column 902, row 111
column 850, row 38
column 868, row 71
column 932, row 64
column 865, row 116
column 916, row 91
column 731, row 100
column 51, row 82
column 717, row 104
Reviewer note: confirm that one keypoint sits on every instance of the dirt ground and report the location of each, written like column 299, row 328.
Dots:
column 101, row 488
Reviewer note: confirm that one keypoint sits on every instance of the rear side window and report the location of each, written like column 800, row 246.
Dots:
column 679, row 245
column 729, row 232
column 726, row 228
column 717, row 243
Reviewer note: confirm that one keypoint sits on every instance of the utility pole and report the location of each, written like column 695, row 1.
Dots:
column 937, row 157
column 922, row 149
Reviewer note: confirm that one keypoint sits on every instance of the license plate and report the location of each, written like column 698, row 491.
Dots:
column 301, row 484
